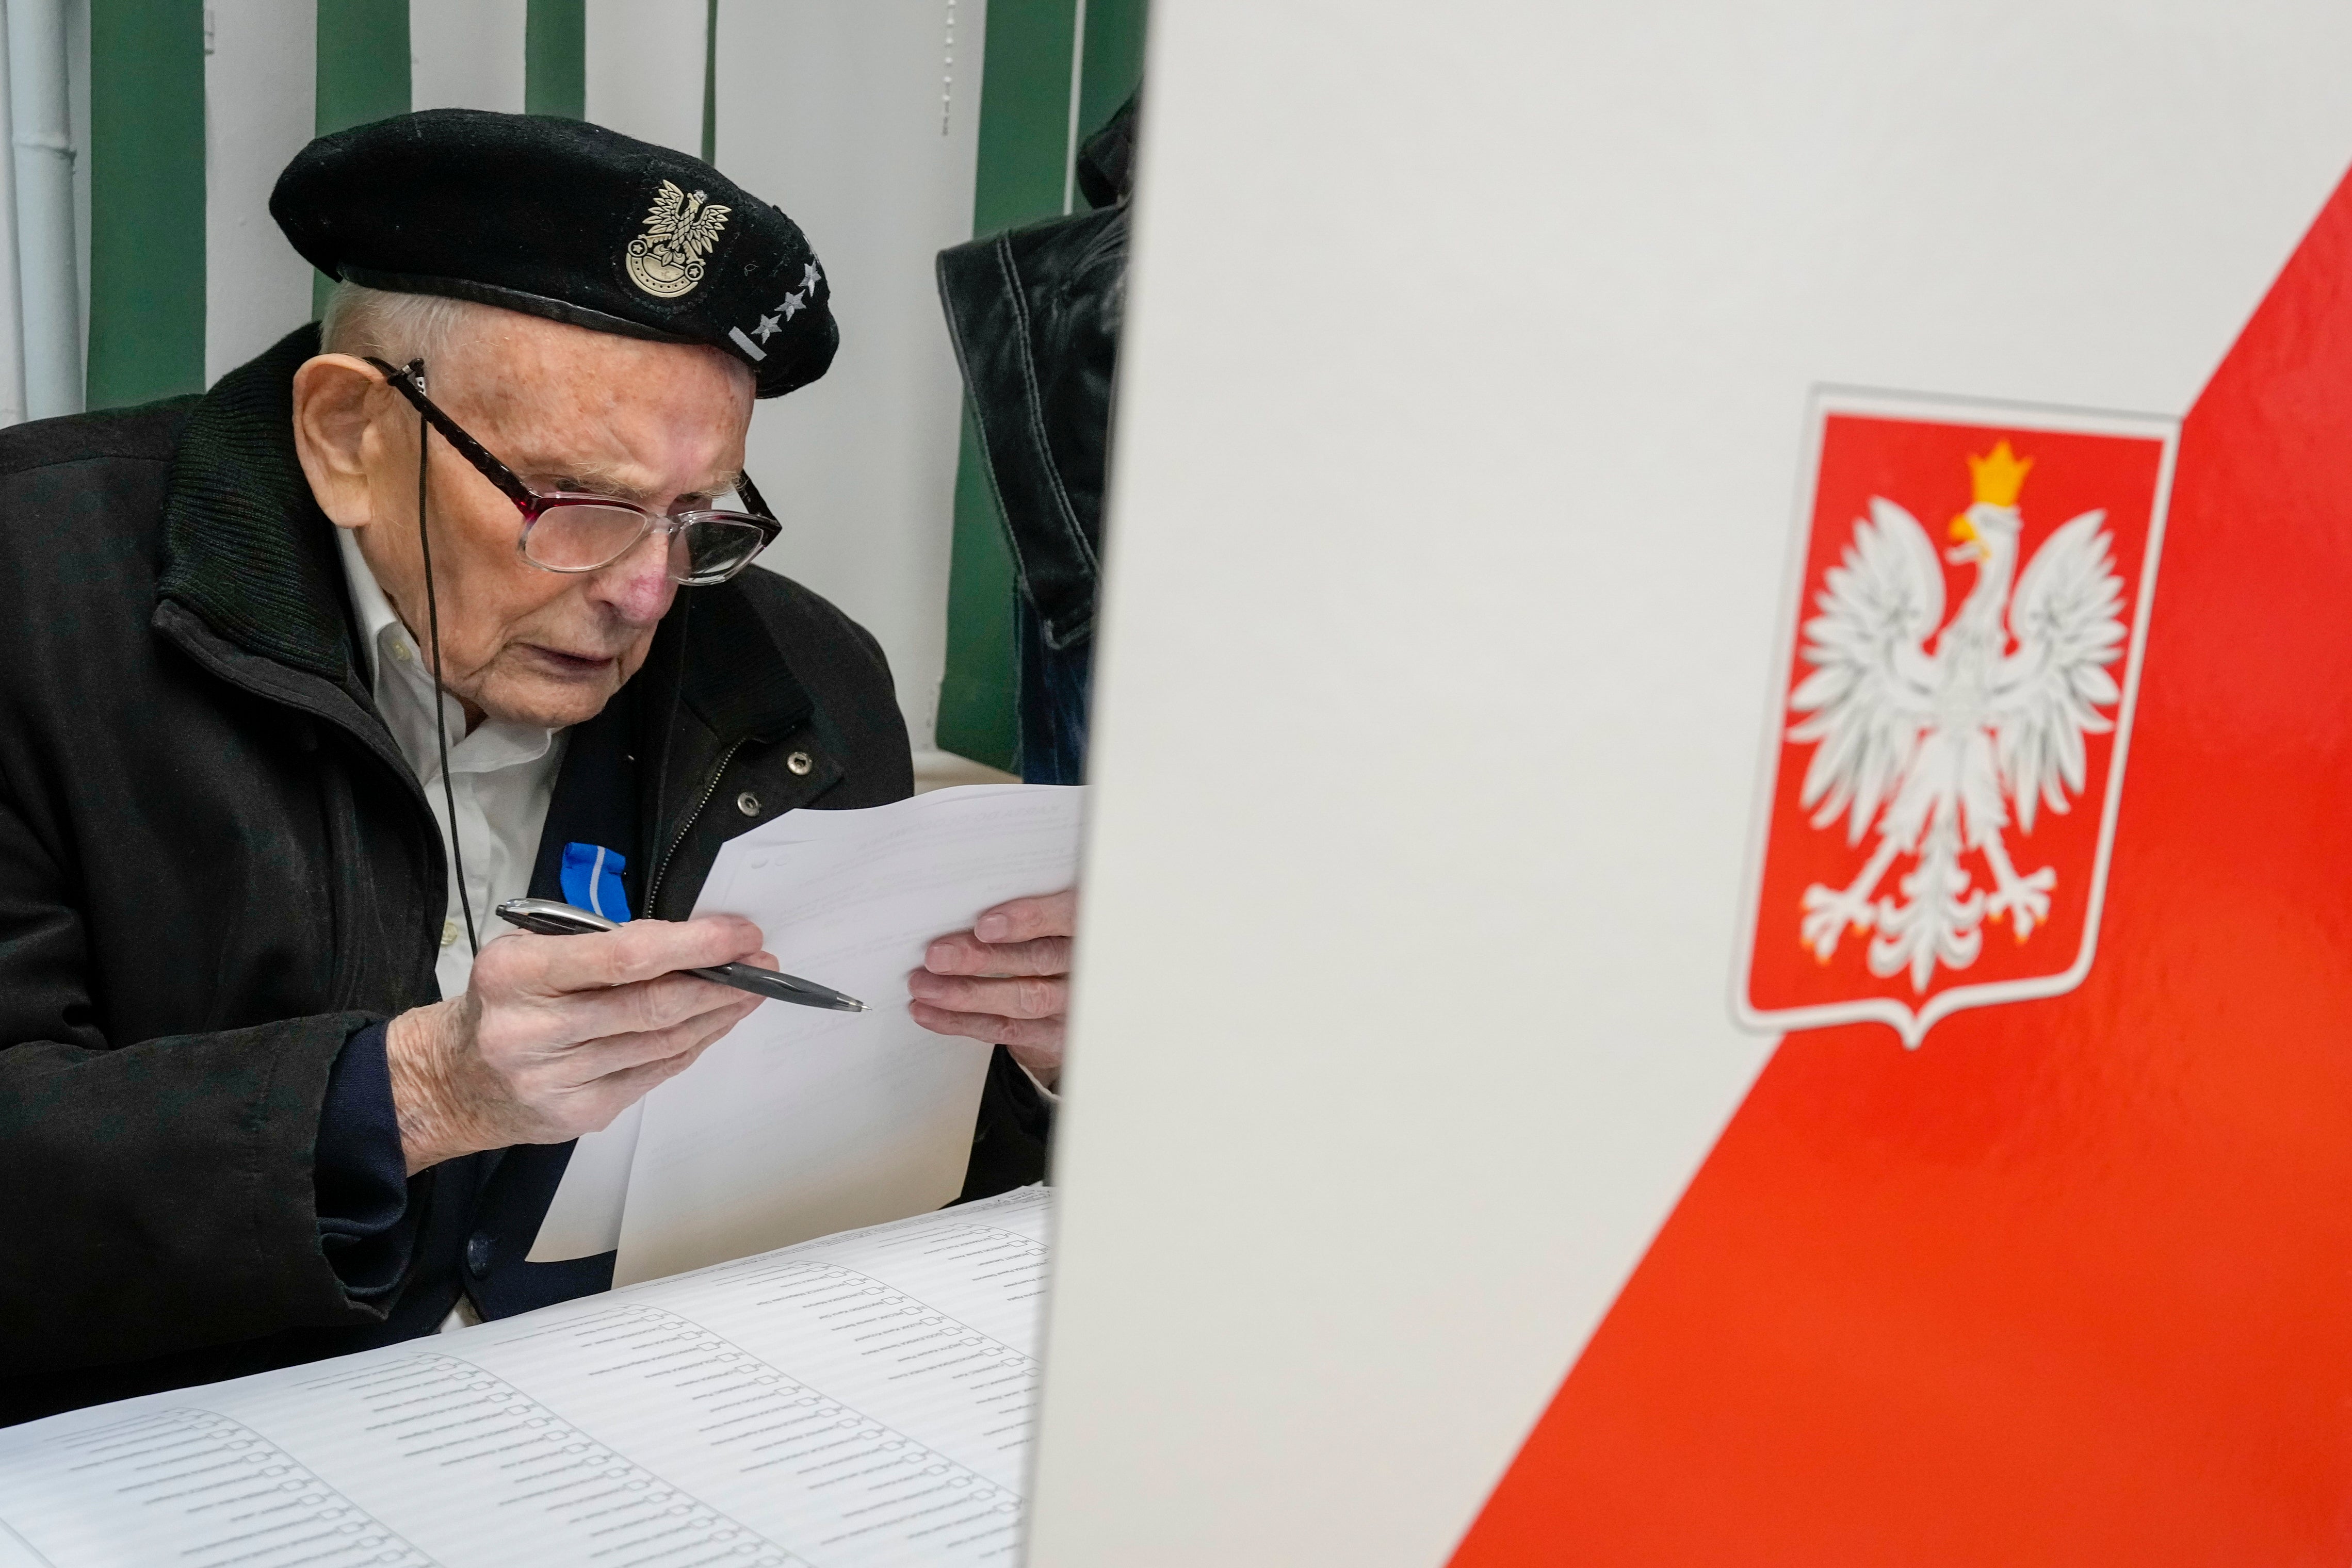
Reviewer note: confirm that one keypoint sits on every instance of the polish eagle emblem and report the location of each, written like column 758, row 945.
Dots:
column 1941, row 737
column 665, row 261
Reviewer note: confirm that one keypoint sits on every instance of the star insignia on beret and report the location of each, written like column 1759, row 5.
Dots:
column 810, row 278
column 794, row 304
column 766, row 329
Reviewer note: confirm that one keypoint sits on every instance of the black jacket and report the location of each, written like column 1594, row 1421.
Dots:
column 217, row 869
column 1034, row 316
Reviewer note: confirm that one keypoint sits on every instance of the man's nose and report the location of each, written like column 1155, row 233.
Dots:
column 638, row 586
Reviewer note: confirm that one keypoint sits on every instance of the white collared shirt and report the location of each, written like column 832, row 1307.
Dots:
column 501, row 773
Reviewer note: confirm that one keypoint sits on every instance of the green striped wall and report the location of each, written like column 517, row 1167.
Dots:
column 1113, row 62
column 1024, row 152
column 363, row 75
column 555, row 59
column 710, row 84
column 363, row 62
column 146, row 201
column 146, row 332
column 147, row 169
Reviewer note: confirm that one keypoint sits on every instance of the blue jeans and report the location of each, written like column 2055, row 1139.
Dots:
column 1055, row 683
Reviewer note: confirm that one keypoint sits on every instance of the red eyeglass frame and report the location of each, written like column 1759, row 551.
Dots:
column 409, row 382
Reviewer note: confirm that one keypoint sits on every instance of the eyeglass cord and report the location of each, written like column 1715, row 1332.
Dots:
column 440, row 715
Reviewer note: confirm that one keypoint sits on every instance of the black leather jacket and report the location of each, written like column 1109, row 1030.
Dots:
column 1034, row 313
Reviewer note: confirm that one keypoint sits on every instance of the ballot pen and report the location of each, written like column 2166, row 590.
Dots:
column 550, row 918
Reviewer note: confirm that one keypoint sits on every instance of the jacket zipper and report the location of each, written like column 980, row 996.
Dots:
column 653, row 895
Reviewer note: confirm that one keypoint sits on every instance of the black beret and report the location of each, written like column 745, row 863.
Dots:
column 566, row 220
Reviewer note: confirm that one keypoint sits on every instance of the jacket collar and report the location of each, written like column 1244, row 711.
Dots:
column 248, row 551
column 245, row 545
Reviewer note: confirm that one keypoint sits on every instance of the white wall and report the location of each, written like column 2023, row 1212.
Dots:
column 833, row 112
column 466, row 53
column 644, row 69
column 260, row 106
column 1461, row 419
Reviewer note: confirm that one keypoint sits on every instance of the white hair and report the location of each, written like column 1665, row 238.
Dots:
column 397, row 328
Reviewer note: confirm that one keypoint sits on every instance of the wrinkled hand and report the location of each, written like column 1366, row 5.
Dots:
column 555, row 1036
column 1007, row 980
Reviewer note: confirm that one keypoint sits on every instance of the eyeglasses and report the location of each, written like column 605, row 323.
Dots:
column 573, row 533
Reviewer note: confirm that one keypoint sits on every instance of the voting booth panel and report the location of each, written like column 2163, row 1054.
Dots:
column 2071, row 1263
column 1725, row 682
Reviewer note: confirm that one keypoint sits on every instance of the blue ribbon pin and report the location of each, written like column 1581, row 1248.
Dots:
column 592, row 879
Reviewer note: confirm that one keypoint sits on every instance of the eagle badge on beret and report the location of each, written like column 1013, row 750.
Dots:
column 665, row 261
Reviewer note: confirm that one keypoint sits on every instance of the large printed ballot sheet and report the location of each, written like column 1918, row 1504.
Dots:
column 854, row 1402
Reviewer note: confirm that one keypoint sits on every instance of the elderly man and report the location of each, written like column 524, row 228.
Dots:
column 437, row 605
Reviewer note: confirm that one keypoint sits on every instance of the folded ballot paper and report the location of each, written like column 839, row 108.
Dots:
column 803, row 1122
column 861, row 1401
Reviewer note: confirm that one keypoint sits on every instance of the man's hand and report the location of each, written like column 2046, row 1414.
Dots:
column 1007, row 980
column 555, row 1036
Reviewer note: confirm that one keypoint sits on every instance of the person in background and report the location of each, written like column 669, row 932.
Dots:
column 1035, row 315
column 444, row 602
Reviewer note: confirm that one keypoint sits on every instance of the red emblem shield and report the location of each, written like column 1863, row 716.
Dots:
column 1959, row 657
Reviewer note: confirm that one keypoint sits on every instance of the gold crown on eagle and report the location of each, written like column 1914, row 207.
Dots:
column 1999, row 475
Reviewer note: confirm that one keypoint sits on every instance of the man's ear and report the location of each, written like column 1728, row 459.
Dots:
column 336, row 399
